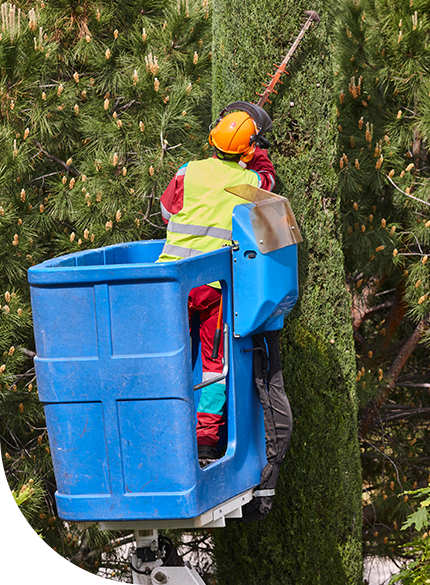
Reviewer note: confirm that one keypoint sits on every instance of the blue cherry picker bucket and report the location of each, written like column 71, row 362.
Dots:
column 117, row 373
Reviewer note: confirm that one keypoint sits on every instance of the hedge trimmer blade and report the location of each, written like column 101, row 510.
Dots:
column 264, row 97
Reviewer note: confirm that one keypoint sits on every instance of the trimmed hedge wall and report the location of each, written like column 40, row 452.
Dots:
column 313, row 533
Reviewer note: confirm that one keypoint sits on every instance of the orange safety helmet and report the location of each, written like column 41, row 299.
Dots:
column 232, row 135
column 239, row 130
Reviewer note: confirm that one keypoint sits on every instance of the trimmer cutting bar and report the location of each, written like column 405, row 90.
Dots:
column 312, row 17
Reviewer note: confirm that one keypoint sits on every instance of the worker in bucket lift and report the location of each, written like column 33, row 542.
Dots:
column 198, row 213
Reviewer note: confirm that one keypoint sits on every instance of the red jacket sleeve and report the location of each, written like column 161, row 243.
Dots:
column 172, row 200
column 260, row 163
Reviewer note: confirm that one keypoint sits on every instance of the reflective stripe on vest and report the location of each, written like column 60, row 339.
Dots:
column 180, row 251
column 204, row 223
column 198, row 230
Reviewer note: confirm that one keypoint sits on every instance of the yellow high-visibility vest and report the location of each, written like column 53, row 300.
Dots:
column 204, row 223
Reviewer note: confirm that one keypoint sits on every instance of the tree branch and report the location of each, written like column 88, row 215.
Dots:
column 404, row 412
column 391, row 376
column 404, row 192
column 69, row 168
column 360, row 339
column 27, row 352
column 395, row 317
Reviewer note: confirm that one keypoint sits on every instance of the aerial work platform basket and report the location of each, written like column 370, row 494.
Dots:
column 116, row 373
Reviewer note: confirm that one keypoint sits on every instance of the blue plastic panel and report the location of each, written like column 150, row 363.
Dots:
column 76, row 443
column 155, row 442
column 265, row 285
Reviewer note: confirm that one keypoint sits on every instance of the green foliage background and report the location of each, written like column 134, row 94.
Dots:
column 313, row 534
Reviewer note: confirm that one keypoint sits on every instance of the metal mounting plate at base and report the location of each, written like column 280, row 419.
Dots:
column 213, row 518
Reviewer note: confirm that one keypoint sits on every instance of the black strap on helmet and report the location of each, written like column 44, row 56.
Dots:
column 260, row 116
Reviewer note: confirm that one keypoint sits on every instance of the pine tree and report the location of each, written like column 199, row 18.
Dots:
column 100, row 103
column 383, row 63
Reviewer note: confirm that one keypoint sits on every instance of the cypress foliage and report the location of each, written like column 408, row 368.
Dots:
column 313, row 533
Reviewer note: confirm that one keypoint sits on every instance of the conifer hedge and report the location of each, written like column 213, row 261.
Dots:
column 313, row 533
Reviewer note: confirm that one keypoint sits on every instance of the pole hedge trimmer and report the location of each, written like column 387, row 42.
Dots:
column 280, row 69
